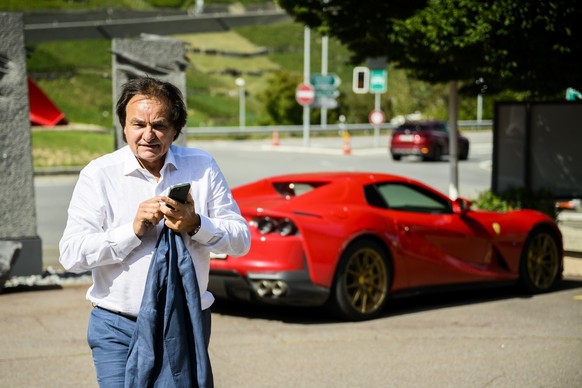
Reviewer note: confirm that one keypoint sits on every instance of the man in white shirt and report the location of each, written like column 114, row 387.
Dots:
column 118, row 209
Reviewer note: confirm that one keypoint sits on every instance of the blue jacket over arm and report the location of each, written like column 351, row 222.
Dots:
column 168, row 348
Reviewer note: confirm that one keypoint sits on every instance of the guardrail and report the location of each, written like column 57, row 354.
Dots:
column 466, row 125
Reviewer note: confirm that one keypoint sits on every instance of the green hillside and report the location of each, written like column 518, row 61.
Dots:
column 77, row 77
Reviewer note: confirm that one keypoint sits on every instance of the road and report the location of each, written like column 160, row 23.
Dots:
column 246, row 161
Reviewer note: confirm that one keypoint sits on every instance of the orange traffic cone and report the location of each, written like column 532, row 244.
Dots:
column 347, row 145
column 275, row 138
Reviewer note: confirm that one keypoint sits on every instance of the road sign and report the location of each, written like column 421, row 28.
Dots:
column 378, row 81
column 330, row 93
column 376, row 117
column 325, row 90
column 324, row 102
column 361, row 80
column 327, row 81
column 572, row 94
column 304, row 94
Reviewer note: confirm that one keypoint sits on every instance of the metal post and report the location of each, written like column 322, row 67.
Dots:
column 376, row 127
column 242, row 102
column 479, row 108
column 453, row 141
column 324, row 48
column 306, row 73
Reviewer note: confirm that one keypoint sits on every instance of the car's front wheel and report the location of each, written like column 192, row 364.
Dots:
column 362, row 282
column 541, row 263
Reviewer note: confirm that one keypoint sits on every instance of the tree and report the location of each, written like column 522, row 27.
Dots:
column 362, row 25
column 529, row 46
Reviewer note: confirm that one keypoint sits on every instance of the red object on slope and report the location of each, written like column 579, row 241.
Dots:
column 42, row 110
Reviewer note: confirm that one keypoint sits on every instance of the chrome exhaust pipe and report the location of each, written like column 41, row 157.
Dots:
column 279, row 288
column 264, row 288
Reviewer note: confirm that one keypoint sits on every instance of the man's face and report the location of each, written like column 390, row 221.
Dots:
column 148, row 129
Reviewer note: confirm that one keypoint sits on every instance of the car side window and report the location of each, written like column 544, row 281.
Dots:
column 410, row 198
column 374, row 197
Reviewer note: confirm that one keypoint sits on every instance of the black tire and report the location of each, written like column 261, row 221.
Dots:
column 464, row 155
column 540, row 265
column 362, row 282
column 396, row 157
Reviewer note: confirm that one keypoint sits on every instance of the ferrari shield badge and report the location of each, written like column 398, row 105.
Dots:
column 496, row 228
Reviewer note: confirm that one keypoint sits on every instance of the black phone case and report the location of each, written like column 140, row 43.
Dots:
column 179, row 192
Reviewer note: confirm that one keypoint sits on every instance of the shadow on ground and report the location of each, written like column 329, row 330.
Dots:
column 396, row 306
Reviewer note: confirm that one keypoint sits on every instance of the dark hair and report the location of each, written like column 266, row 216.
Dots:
column 156, row 88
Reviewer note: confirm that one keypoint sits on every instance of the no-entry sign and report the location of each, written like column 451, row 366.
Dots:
column 376, row 117
column 304, row 94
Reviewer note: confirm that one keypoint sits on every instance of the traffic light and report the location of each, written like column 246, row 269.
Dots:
column 361, row 80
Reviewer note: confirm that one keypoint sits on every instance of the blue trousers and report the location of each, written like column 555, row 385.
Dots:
column 109, row 336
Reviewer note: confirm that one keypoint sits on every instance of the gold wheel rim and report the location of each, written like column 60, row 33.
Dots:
column 365, row 281
column 542, row 261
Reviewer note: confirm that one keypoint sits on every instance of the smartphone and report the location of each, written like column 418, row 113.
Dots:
column 179, row 193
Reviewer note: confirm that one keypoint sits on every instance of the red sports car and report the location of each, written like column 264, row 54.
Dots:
column 351, row 240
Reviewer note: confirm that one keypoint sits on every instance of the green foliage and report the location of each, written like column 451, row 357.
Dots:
column 69, row 148
column 362, row 25
column 167, row 3
column 518, row 198
column 84, row 97
column 279, row 99
column 68, row 55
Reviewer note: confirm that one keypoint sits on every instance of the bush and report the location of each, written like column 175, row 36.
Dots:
column 518, row 198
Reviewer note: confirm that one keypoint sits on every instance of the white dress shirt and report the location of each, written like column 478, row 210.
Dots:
column 99, row 235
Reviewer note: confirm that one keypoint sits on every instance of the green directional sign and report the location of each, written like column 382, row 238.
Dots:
column 326, row 81
column 333, row 93
column 325, row 86
column 572, row 94
column 378, row 81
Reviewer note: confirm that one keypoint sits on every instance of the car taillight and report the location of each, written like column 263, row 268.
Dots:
column 282, row 226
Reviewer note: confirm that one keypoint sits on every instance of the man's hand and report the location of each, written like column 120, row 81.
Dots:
column 183, row 218
column 147, row 217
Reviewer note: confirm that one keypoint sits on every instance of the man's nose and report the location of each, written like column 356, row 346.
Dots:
column 149, row 134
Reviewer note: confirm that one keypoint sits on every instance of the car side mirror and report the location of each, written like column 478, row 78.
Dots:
column 461, row 206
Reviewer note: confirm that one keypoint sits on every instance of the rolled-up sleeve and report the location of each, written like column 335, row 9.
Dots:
column 223, row 229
